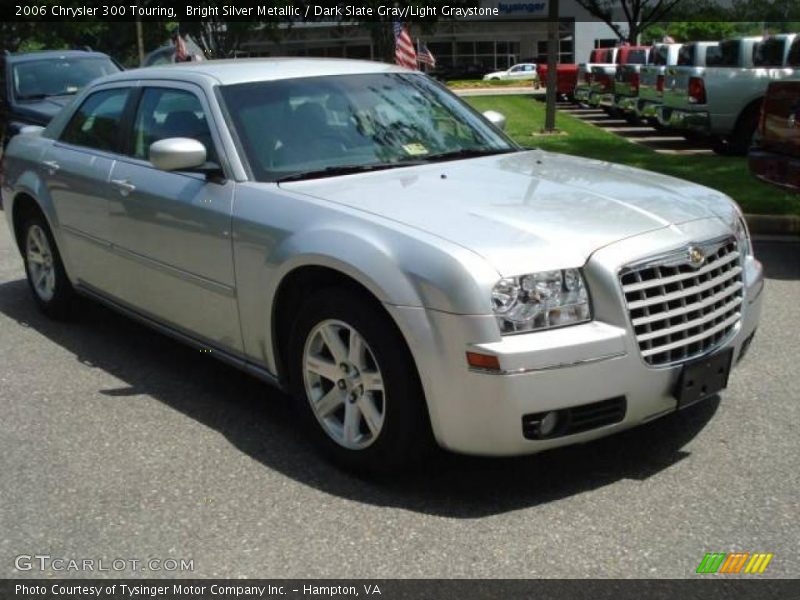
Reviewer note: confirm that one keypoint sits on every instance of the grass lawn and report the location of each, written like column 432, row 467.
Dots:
column 480, row 83
column 525, row 117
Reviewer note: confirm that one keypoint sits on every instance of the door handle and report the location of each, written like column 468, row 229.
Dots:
column 52, row 166
column 124, row 186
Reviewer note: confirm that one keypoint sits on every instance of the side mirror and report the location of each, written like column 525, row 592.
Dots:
column 177, row 154
column 495, row 118
column 32, row 130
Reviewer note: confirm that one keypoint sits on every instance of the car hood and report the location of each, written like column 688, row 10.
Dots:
column 526, row 209
column 43, row 110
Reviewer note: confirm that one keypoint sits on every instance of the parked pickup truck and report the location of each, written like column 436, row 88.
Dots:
column 566, row 79
column 651, row 76
column 598, row 56
column 34, row 86
column 627, row 83
column 775, row 156
column 603, row 76
column 722, row 101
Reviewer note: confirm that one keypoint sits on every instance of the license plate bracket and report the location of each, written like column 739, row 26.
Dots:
column 703, row 377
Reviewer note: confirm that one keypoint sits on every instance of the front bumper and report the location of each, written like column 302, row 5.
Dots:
column 676, row 118
column 479, row 412
column 605, row 100
column 647, row 109
column 600, row 99
column 627, row 104
column 582, row 94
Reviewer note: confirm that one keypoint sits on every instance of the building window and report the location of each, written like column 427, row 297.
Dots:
column 565, row 54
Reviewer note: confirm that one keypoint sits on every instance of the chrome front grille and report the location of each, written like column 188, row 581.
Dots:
column 686, row 303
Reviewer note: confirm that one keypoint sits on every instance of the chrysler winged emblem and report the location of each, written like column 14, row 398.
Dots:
column 696, row 256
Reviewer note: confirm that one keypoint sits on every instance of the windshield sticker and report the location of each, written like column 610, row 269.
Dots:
column 415, row 149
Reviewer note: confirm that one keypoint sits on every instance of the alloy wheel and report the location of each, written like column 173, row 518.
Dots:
column 344, row 384
column 41, row 265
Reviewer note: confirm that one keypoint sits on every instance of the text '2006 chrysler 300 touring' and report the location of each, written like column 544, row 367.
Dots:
column 356, row 234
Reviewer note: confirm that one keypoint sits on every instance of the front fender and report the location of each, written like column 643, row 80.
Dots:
column 399, row 266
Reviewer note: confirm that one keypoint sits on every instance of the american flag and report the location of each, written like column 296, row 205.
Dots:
column 425, row 56
column 404, row 54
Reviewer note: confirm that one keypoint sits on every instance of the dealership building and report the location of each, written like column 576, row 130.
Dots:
column 518, row 33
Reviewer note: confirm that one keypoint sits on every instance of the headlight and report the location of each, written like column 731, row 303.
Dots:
column 540, row 301
column 743, row 237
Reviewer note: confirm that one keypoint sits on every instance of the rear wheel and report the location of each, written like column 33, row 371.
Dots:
column 47, row 278
column 355, row 384
column 742, row 137
column 632, row 118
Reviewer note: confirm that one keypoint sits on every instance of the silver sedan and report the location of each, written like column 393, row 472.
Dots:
column 354, row 233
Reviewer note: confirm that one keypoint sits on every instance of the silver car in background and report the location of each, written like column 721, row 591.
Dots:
column 356, row 234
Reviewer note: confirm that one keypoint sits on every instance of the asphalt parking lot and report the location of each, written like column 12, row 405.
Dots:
column 117, row 442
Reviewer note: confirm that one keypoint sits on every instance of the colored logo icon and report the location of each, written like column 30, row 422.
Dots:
column 734, row 562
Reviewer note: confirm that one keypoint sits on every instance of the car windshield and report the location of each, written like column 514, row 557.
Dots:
column 321, row 126
column 36, row 79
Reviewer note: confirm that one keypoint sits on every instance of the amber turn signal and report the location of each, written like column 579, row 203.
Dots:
column 483, row 361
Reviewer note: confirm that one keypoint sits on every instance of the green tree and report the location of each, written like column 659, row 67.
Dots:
column 638, row 14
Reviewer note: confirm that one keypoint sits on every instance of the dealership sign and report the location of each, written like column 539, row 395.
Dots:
column 518, row 8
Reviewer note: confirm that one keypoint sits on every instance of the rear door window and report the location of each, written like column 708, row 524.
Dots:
column 96, row 124
column 637, row 57
column 769, row 53
column 686, row 55
column 660, row 55
column 793, row 60
column 724, row 54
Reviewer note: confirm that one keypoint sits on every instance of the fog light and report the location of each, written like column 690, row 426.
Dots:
column 548, row 423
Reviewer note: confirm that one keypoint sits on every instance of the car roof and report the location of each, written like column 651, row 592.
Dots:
column 50, row 54
column 244, row 70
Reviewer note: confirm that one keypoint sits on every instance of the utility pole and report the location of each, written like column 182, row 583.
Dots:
column 552, row 64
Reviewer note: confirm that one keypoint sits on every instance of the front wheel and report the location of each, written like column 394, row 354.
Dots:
column 355, row 384
column 47, row 278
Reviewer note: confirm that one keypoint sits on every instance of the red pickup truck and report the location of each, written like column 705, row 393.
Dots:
column 775, row 155
column 566, row 79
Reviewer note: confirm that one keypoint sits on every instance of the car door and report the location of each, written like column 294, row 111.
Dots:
column 76, row 169
column 172, row 230
column 514, row 72
column 526, row 72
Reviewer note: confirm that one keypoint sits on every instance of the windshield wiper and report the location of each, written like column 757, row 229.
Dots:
column 344, row 170
column 466, row 153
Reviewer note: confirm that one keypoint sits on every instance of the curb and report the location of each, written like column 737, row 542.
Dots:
column 773, row 224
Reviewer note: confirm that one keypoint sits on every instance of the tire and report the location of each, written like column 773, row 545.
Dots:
column 742, row 136
column 361, row 429
column 632, row 119
column 721, row 146
column 47, row 278
column 692, row 136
